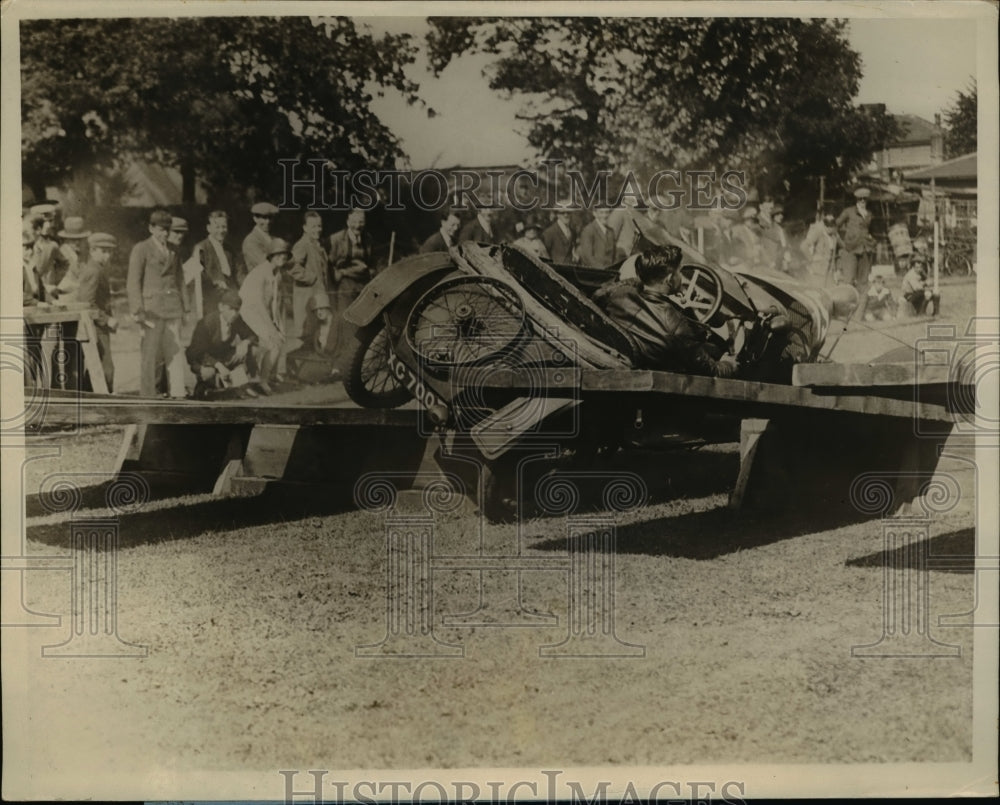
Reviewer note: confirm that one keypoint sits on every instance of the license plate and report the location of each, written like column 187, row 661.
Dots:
column 408, row 378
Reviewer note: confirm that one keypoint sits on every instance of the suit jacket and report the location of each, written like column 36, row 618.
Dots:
column 342, row 253
column 435, row 243
column 212, row 273
column 51, row 262
column 853, row 228
column 207, row 346
column 155, row 282
column 95, row 291
column 596, row 249
column 559, row 247
column 310, row 264
column 256, row 245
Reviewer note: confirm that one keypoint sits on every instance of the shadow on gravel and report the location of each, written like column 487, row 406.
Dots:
column 954, row 552
column 713, row 533
column 191, row 519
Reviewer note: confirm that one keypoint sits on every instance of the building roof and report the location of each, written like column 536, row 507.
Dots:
column 959, row 168
column 916, row 130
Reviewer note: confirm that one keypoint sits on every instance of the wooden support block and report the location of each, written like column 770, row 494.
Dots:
column 792, row 465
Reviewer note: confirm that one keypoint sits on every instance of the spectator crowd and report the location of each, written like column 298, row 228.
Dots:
column 271, row 312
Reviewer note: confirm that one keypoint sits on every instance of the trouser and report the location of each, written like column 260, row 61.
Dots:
column 854, row 268
column 37, row 359
column 301, row 294
column 107, row 364
column 347, row 292
column 162, row 342
column 923, row 302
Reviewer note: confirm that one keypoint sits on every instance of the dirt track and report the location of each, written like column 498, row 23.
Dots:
column 252, row 609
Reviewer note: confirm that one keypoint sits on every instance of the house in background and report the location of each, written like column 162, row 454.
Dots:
column 920, row 146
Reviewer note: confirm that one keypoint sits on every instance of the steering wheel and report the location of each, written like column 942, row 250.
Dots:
column 700, row 293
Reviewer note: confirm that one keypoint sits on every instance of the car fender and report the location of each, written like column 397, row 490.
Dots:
column 389, row 283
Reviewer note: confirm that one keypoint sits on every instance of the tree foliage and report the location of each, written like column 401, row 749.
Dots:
column 771, row 96
column 220, row 98
column 960, row 122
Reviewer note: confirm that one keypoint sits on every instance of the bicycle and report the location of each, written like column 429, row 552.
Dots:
column 959, row 253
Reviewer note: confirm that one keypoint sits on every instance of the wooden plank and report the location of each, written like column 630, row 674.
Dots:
column 125, row 411
column 51, row 316
column 869, row 374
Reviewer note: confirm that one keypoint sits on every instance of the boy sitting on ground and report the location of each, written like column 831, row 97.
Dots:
column 879, row 302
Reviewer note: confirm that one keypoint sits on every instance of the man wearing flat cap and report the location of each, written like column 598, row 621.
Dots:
column 220, row 347
column 94, row 290
column 258, row 242
column 155, row 288
column 263, row 311
column 853, row 224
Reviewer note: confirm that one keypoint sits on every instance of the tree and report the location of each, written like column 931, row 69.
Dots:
column 770, row 96
column 960, row 122
column 220, row 98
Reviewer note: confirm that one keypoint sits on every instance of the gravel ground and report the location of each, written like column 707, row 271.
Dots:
column 252, row 609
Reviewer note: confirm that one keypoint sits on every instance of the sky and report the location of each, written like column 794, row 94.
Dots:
column 914, row 66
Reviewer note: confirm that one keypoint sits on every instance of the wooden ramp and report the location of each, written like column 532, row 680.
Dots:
column 802, row 442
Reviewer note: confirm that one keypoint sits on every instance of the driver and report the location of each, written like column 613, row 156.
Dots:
column 664, row 337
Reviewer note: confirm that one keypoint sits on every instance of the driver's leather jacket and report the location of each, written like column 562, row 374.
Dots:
column 662, row 335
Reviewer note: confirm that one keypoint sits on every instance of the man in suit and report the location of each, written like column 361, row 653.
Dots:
column 853, row 224
column 94, row 290
column 559, row 239
column 445, row 237
column 219, row 345
column 597, row 246
column 482, row 228
column 257, row 244
column 155, row 288
column 220, row 270
column 351, row 268
column 308, row 272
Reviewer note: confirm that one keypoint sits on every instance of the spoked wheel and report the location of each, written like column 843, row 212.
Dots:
column 701, row 292
column 957, row 265
column 465, row 320
column 370, row 381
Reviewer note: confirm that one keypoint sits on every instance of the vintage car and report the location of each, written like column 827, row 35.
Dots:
column 493, row 342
